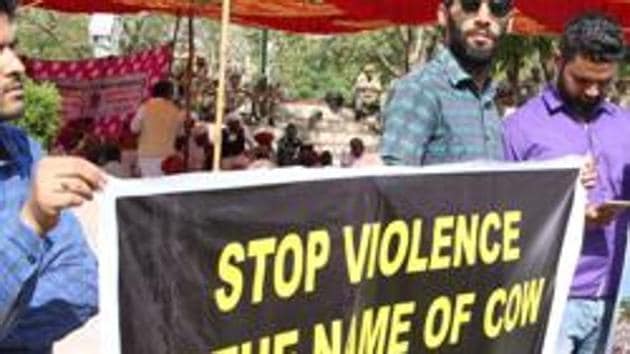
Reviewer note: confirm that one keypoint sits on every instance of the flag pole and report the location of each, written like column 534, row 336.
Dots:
column 189, row 81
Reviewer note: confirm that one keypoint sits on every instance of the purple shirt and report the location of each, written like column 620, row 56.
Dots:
column 544, row 129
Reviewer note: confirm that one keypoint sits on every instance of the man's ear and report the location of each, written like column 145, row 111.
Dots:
column 442, row 15
column 558, row 59
column 511, row 21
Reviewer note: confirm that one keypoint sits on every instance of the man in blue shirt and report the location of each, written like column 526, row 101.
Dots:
column 48, row 274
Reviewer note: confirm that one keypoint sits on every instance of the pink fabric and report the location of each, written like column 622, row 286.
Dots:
column 107, row 90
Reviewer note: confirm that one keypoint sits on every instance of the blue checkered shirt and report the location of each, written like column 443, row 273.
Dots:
column 437, row 115
column 49, row 286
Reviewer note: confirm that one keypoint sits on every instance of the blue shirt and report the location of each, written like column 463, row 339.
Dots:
column 545, row 129
column 438, row 115
column 49, row 285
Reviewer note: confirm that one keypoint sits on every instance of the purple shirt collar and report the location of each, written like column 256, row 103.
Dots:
column 554, row 103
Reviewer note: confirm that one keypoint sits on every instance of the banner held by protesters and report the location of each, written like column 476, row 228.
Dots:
column 364, row 261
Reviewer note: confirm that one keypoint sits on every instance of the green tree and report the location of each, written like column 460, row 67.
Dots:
column 145, row 31
column 625, row 65
column 309, row 66
column 41, row 116
column 53, row 35
column 517, row 54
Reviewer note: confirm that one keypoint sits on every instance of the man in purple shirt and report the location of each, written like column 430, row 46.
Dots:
column 573, row 117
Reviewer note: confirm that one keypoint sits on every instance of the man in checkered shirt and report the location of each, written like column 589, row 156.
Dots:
column 445, row 111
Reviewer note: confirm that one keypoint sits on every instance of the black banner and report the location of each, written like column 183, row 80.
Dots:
column 454, row 263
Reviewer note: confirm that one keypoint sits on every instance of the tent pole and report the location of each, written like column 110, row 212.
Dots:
column 174, row 42
column 218, row 131
column 264, row 56
column 189, row 80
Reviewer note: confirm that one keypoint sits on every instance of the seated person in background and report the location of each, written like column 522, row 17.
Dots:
column 111, row 161
column 326, row 159
column 198, row 147
column 289, row 147
column 335, row 101
column 357, row 156
column 234, row 144
column 265, row 138
column 307, row 156
column 262, row 157
column 175, row 163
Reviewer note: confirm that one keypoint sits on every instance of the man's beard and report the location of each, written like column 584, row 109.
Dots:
column 467, row 55
column 575, row 104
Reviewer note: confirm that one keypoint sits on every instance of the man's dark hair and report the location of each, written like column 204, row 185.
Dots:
column 326, row 158
column 594, row 36
column 163, row 89
column 357, row 143
column 8, row 7
column 180, row 143
column 334, row 99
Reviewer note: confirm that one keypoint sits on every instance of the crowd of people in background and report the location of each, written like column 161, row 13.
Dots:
column 163, row 140
column 173, row 142
column 170, row 143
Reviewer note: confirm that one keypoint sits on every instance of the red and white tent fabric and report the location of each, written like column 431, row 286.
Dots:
column 105, row 91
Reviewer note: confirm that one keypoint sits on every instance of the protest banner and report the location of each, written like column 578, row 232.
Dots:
column 389, row 260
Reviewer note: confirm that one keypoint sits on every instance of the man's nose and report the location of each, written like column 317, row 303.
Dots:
column 13, row 63
column 484, row 15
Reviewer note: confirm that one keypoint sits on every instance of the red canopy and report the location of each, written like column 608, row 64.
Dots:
column 535, row 16
column 289, row 15
column 338, row 16
column 555, row 14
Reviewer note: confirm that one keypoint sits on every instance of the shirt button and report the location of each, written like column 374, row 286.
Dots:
column 31, row 259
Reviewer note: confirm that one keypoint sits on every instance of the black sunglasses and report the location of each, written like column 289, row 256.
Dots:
column 498, row 8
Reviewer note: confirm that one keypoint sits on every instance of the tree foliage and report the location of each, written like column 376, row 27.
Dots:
column 41, row 116
column 309, row 66
column 52, row 35
column 145, row 31
column 517, row 55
